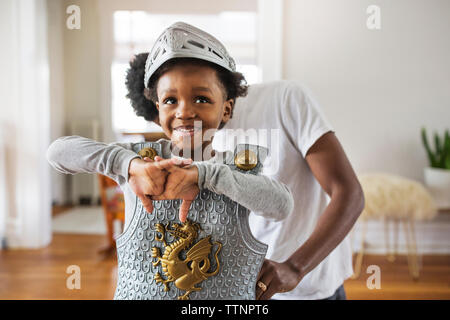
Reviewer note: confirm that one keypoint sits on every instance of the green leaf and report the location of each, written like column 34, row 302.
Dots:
column 446, row 152
column 430, row 154
column 437, row 144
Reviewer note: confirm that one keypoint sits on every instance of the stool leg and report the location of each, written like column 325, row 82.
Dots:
column 110, row 230
column 359, row 258
column 387, row 240
column 395, row 239
column 415, row 260
column 408, row 224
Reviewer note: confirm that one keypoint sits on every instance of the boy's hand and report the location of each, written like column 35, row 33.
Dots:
column 148, row 179
column 181, row 183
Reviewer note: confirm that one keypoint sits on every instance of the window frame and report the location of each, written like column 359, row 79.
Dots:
column 269, row 47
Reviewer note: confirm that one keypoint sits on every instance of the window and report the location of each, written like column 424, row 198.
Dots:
column 136, row 32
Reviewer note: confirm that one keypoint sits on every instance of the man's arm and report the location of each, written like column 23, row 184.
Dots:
column 333, row 171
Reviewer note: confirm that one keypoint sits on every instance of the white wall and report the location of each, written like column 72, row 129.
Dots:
column 81, row 63
column 58, row 128
column 377, row 87
column 74, row 82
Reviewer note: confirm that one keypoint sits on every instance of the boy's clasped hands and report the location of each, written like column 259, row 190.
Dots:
column 164, row 179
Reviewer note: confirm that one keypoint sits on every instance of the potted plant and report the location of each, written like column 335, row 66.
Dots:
column 437, row 175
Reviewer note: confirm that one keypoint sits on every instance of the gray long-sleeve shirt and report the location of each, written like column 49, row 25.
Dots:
column 258, row 193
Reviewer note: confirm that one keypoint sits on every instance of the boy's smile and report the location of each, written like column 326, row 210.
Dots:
column 191, row 101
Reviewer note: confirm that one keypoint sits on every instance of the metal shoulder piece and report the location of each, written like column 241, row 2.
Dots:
column 212, row 255
column 148, row 149
column 249, row 158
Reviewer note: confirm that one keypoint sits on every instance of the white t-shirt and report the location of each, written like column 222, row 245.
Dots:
column 288, row 107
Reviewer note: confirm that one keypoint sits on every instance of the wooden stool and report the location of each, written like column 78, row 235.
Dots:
column 394, row 199
column 113, row 204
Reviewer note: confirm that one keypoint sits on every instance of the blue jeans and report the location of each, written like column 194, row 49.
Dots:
column 339, row 294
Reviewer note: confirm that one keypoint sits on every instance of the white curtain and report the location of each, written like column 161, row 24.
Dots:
column 3, row 190
column 24, row 118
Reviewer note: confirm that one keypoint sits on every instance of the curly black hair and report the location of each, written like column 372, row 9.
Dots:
column 135, row 86
column 233, row 84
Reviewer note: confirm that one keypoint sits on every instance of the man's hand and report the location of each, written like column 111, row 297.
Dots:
column 277, row 277
column 181, row 183
column 147, row 179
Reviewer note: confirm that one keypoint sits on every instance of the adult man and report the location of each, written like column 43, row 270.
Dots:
column 309, row 255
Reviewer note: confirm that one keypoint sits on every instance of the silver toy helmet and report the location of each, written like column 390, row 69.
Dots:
column 182, row 40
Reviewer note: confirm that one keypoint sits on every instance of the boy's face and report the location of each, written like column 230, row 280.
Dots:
column 188, row 94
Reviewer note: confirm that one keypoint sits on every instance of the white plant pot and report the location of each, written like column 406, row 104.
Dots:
column 438, row 183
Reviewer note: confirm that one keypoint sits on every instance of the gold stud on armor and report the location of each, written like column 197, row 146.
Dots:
column 148, row 152
column 246, row 160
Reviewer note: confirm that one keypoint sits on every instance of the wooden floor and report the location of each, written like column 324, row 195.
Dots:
column 41, row 274
column 396, row 282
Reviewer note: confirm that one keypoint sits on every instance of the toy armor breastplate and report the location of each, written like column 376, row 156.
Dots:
column 213, row 255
